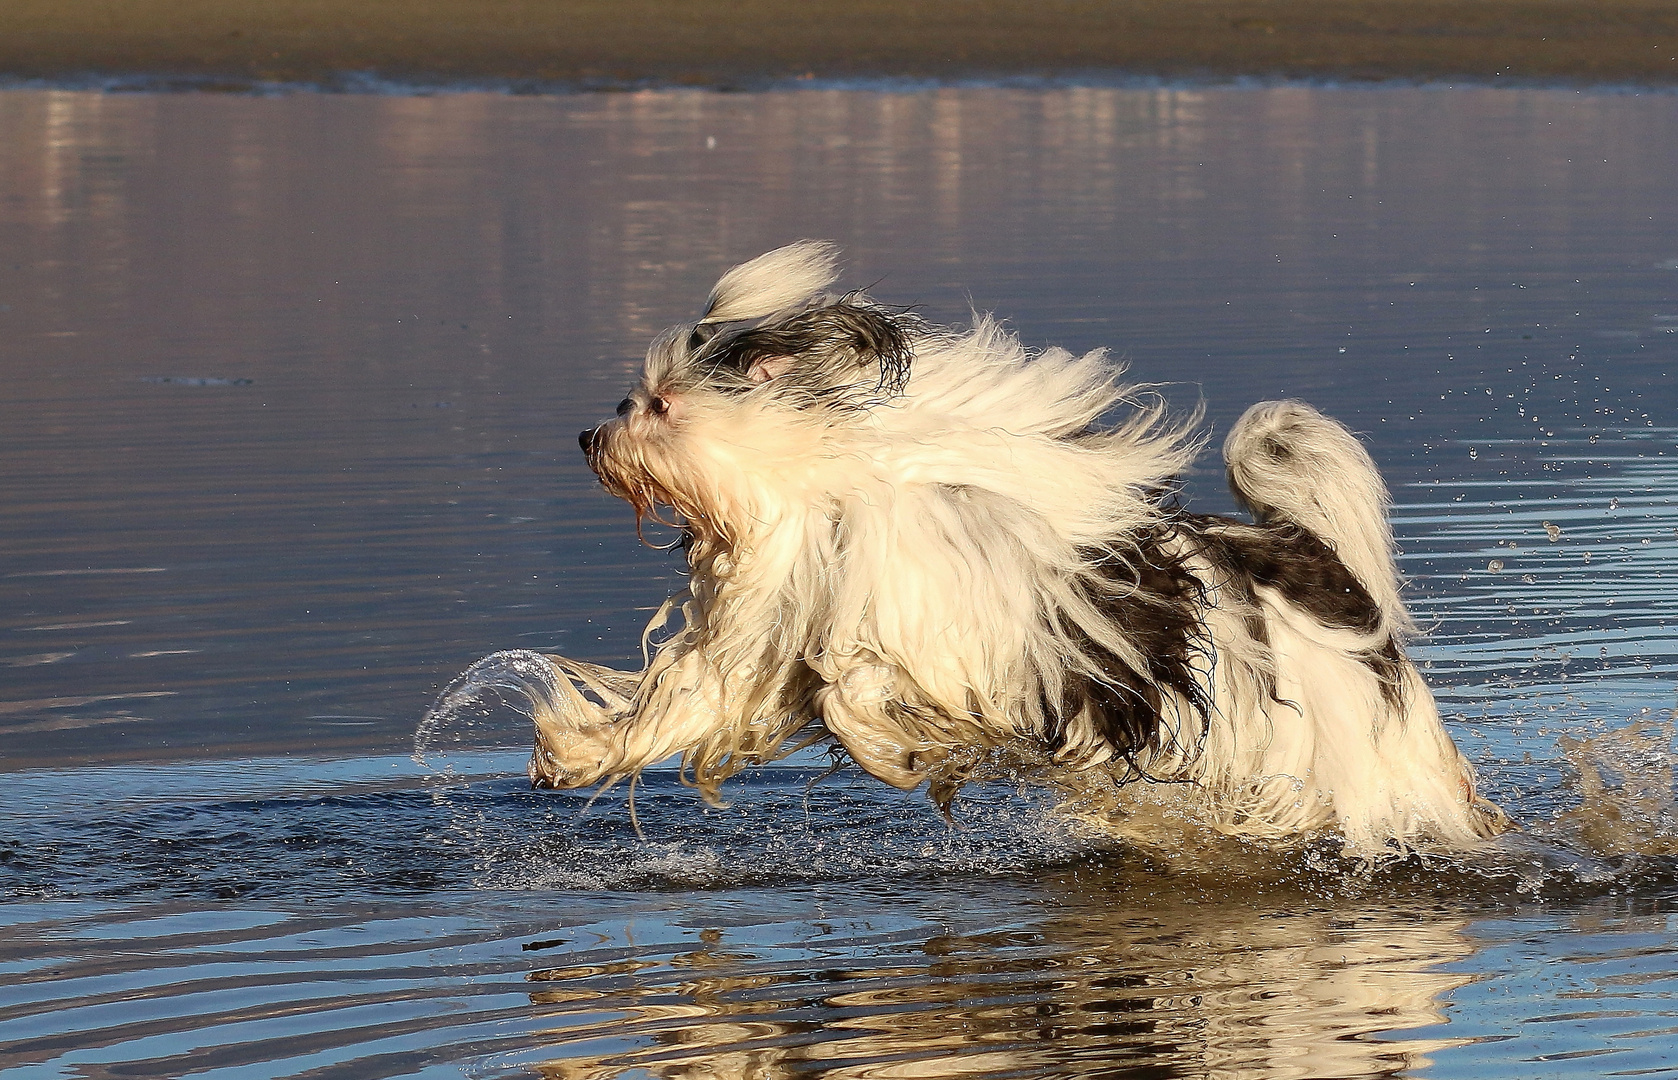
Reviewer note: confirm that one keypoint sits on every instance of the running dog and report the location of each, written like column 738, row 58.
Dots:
column 935, row 551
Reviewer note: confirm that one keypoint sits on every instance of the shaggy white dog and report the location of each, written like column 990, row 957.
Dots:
column 934, row 551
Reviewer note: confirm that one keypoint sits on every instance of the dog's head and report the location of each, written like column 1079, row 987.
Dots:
column 740, row 404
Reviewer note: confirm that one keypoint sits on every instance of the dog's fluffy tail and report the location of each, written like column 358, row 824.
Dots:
column 1289, row 462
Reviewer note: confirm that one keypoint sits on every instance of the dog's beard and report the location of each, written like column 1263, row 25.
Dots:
column 625, row 470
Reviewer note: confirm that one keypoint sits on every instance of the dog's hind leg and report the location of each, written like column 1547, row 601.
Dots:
column 859, row 708
column 864, row 708
column 1289, row 463
column 1362, row 725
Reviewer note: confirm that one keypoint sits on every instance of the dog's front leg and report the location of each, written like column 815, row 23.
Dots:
column 634, row 721
column 864, row 709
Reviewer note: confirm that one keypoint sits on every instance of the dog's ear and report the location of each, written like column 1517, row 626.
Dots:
column 828, row 346
column 768, row 367
column 774, row 282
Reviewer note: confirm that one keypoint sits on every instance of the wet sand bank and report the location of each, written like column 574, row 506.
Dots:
column 608, row 43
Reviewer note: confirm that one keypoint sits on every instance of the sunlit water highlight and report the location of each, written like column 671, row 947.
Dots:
column 289, row 440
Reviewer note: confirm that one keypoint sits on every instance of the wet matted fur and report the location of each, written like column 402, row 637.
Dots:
column 933, row 550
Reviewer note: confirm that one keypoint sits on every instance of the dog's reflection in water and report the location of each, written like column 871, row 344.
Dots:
column 1225, row 988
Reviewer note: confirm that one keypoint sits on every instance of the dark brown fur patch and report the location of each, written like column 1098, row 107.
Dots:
column 1150, row 593
column 846, row 334
column 1309, row 575
column 1158, row 603
column 1295, row 563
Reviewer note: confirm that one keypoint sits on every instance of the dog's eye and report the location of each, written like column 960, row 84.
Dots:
column 659, row 406
column 625, row 405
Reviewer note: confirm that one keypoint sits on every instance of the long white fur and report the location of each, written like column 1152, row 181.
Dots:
column 902, row 579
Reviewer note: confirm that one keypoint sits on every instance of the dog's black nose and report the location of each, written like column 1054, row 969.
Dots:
column 585, row 438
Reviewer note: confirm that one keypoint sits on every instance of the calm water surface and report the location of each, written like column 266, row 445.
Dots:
column 287, row 439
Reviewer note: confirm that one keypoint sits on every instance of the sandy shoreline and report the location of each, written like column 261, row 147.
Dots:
column 726, row 43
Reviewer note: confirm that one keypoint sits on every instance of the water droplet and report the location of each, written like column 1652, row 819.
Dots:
column 1552, row 531
column 1473, row 453
column 1495, row 565
column 1613, row 504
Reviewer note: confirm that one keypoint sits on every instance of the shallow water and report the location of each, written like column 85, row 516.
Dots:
column 287, row 439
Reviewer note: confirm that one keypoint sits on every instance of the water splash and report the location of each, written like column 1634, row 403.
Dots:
column 786, row 827
column 1628, row 807
column 1623, row 816
column 564, row 699
column 782, row 830
column 467, row 705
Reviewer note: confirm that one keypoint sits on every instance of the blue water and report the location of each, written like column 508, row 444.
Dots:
column 287, row 439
